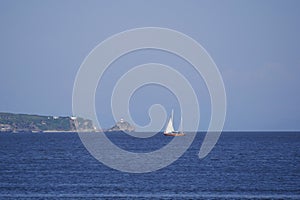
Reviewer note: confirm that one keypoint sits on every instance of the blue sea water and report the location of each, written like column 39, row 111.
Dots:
column 243, row 165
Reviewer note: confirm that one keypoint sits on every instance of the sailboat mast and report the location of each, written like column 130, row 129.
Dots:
column 181, row 125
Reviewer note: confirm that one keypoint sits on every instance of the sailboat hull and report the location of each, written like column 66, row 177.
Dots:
column 174, row 134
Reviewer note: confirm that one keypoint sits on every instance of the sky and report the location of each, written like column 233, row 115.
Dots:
column 255, row 45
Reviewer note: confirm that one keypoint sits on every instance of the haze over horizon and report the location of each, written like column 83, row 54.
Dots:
column 255, row 45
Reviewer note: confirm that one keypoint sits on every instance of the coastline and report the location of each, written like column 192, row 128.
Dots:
column 26, row 123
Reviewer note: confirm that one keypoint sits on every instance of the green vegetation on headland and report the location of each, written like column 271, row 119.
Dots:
column 17, row 123
column 35, row 123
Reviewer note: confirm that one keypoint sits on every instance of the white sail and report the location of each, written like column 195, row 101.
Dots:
column 170, row 128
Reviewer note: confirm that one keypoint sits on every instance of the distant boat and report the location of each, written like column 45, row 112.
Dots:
column 170, row 129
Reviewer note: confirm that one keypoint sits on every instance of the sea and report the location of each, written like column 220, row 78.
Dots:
column 242, row 165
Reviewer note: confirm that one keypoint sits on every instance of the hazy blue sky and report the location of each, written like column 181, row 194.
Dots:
column 255, row 45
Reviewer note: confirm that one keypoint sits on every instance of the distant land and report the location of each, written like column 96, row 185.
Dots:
column 18, row 123
column 10, row 122
column 122, row 126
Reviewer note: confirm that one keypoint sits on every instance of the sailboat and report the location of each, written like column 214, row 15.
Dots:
column 170, row 129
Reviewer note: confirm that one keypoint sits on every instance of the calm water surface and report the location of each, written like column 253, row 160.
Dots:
column 241, row 166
